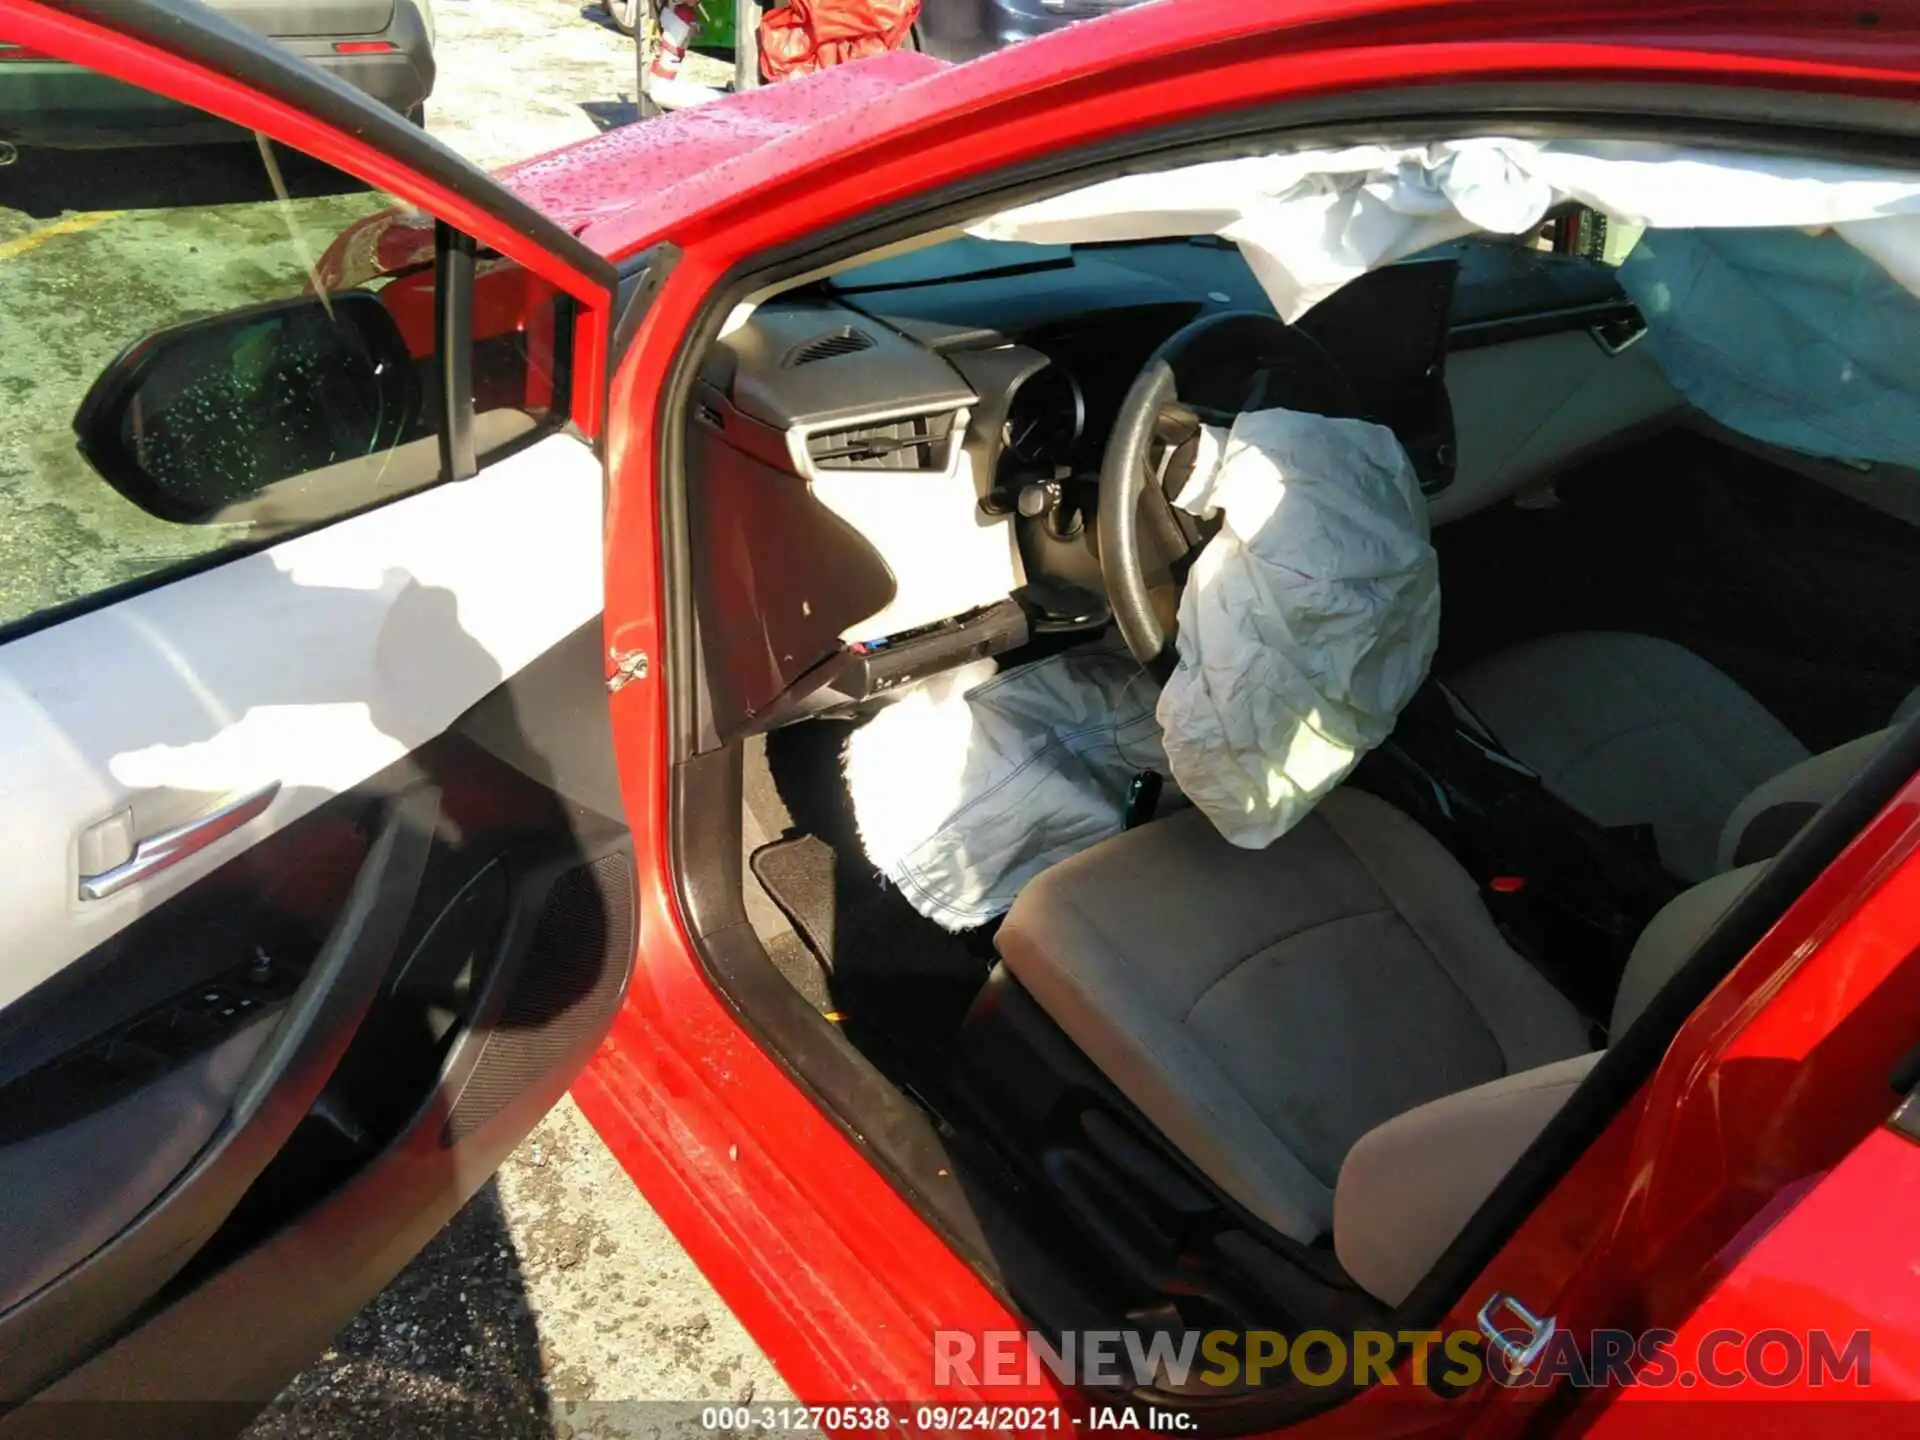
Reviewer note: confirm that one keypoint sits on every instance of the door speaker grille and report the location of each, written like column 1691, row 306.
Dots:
column 568, row 987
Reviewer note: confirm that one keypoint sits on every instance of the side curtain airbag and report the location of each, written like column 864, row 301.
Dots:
column 1310, row 222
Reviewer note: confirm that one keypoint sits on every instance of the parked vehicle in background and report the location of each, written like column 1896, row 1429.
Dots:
column 625, row 14
column 384, row 47
column 958, row 30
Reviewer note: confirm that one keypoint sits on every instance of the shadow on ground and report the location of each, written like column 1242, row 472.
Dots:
column 610, row 114
column 449, row 1347
column 555, row 1305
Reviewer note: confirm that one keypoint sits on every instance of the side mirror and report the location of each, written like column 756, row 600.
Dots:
column 197, row 420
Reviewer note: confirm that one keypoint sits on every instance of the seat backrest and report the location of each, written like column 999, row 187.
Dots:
column 1778, row 809
column 1409, row 1185
column 1670, row 937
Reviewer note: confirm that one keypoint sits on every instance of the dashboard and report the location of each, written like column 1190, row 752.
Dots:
column 894, row 470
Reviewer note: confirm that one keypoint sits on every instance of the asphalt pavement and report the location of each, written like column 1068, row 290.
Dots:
column 555, row 1304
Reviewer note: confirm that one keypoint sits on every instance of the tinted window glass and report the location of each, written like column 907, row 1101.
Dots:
column 103, row 246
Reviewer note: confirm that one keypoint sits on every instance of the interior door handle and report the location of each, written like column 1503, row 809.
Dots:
column 169, row 847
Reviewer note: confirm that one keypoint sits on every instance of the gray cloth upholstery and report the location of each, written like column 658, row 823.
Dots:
column 1408, row 1187
column 1670, row 937
column 1264, row 1009
column 1633, row 730
column 1793, row 796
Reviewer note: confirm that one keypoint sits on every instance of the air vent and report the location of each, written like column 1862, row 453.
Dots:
column 844, row 341
column 913, row 442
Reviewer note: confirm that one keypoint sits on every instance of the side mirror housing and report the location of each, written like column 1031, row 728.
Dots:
column 198, row 422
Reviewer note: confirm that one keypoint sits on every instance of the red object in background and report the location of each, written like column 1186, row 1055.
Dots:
column 679, row 24
column 382, row 244
column 809, row 35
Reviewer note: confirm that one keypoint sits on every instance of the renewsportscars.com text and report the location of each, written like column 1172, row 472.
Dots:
column 1648, row 1359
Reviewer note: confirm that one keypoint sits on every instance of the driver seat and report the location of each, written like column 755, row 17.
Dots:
column 1265, row 1009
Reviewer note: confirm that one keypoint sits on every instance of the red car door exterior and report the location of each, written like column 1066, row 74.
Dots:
column 1834, row 1255
column 829, row 1265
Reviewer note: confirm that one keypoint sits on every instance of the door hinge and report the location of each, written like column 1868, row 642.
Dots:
column 628, row 665
column 1525, row 1336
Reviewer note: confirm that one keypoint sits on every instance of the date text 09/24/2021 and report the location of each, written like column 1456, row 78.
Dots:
column 1721, row 1359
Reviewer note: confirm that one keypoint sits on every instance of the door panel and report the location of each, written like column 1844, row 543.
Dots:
column 204, row 1360
column 73, row 1188
column 449, row 940
column 255, row 1116
column 315, row 664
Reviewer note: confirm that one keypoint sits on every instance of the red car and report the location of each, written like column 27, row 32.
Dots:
column 544, row 622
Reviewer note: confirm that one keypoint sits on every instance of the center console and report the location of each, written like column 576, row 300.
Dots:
column 1568, row 893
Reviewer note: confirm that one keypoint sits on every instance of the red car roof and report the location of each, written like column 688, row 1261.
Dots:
column 679, row 163
column 624, row 189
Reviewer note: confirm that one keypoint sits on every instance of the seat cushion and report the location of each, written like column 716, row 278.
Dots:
column 1632, row 730
column 1410, row 1186
column 1265, row 1008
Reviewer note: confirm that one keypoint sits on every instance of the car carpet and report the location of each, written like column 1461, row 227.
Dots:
column 889, row 970
column 798, row 876
column 795, row 960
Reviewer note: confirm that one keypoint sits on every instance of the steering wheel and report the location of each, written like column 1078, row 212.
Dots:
column 1206, row 373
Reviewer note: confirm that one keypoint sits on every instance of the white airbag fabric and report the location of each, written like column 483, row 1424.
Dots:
column 1312, row 221
column 1307, row 622
column 1796, row 339
column 973, row 783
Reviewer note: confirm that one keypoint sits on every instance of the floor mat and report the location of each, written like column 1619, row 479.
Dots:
column 798, row 876
column 794, row 958
column 888, row 969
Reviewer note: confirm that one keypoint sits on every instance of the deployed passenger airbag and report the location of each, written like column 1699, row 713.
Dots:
column 1797, row 339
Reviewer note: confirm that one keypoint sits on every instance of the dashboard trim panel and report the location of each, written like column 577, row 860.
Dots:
column 803, row 463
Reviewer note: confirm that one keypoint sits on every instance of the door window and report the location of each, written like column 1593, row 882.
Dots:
column 210, row 347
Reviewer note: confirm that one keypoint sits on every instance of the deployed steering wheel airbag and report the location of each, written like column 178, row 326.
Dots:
column 1306, row 623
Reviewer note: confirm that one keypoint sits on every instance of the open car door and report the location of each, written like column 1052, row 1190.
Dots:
column 317, row 889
